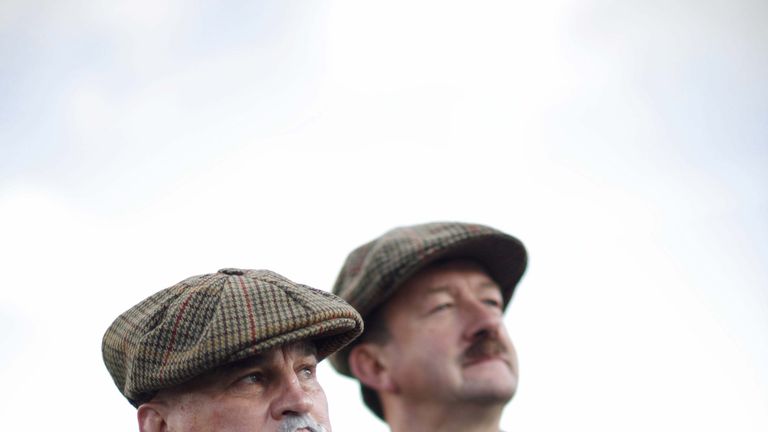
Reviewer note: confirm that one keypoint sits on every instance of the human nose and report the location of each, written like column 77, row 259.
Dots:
column 482, row 320
column 293, row 399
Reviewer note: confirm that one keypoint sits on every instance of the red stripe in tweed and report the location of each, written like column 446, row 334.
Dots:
column 173, row 333
column 421, row 250
column 250, row 308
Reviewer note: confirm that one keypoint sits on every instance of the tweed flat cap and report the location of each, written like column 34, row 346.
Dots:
column 374, row 271
column 210, row 320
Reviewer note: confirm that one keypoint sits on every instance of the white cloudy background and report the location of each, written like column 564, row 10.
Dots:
column 626, row 143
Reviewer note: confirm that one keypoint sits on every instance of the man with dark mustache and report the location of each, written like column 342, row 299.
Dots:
column 435, row 354
column 231, row 351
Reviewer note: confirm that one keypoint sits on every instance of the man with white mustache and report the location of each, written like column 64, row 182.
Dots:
column 435, row 355
column 232, row 351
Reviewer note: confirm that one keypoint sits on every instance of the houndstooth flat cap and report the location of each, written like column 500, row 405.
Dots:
column 210, row 320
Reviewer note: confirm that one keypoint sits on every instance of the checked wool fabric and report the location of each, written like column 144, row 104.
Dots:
column 374, row 271
column 210, row 320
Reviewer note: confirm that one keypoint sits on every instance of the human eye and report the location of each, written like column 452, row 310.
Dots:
column 441, row 307
column 494, row 302
column 254, row 378
column 307, row 372
column 251, row 381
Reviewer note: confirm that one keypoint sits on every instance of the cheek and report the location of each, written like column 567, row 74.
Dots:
column 435, row 332
column 425, row 345
column 438, row 340
column 191, row 414
column 229, row 414
column 320, row 408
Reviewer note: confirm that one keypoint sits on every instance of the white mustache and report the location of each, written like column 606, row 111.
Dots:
column 292, row 423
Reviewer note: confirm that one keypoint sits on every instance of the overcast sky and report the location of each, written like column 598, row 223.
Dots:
column 625, row 143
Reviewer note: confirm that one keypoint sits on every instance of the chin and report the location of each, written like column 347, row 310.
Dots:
column 490, row 392
column 494, row 369
column 493, row 384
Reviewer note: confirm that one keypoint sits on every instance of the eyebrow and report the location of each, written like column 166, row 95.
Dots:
column 447, row 288
column 305, row 349
column 438, row 289
column 490, row 284
column 248, row 362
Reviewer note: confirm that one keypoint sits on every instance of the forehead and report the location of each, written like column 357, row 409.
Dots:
column 275, row 355
column 443, row 276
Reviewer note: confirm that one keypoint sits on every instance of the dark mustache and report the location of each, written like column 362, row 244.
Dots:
column 485, row 346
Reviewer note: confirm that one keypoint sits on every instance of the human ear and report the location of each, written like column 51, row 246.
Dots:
column 368, row 365
column 151, row 418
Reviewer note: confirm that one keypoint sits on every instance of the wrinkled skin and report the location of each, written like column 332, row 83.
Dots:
column 277, row 391
column 448, row 344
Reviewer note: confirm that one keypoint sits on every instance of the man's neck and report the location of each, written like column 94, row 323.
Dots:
column 409, row 417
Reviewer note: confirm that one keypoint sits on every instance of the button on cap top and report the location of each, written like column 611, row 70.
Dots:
column 231, row 271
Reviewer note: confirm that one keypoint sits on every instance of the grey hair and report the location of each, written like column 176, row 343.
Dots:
column 294, row 422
